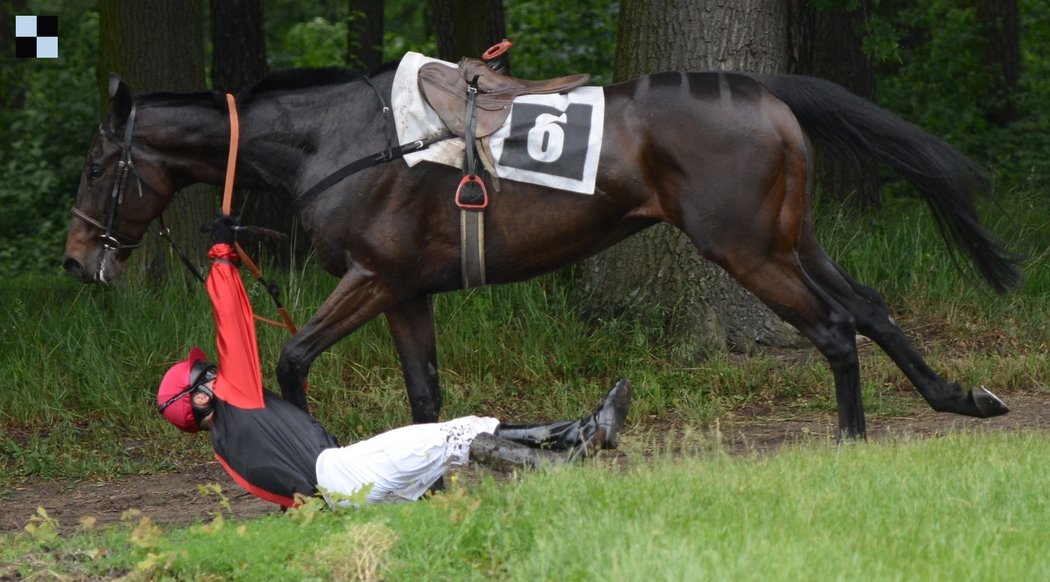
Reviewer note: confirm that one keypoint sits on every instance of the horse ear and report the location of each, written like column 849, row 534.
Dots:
column 119, row 101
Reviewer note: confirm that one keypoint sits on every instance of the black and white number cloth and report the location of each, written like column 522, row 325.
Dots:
column 549, row 140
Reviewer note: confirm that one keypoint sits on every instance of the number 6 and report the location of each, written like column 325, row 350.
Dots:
column 547, row 138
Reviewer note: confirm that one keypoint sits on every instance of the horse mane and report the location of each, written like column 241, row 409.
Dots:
column 280, row 81
column 277, row 82
column 297, row 79
column 211, row 99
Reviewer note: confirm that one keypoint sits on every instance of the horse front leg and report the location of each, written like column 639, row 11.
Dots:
column 412, row 326
column 357, row 298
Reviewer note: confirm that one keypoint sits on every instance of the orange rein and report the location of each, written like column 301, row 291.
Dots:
column 227, row 208
column 231, row 164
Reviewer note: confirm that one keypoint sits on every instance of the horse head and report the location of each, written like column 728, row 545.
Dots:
column 123, row 187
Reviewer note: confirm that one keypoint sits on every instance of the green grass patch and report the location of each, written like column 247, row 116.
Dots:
column 964, row 506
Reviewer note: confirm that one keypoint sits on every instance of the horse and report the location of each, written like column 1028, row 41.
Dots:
column 725, row 157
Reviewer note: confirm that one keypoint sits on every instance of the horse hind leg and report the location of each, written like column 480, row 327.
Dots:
column 875, row 322
column 780, row 282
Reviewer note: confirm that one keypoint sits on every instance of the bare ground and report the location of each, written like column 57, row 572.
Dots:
column 173, row 498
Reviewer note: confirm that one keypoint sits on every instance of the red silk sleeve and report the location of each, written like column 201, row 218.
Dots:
column 239, row 381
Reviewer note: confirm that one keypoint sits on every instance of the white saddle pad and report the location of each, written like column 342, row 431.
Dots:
column 549, row 140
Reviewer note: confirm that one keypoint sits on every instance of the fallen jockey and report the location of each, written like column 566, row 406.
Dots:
column 276, row 450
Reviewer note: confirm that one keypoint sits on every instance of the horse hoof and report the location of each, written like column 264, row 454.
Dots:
column 987, row 403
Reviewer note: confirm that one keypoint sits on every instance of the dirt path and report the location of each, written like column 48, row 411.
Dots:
column 173, row 498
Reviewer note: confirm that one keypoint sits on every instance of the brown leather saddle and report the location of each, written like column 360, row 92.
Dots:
column 445, row 90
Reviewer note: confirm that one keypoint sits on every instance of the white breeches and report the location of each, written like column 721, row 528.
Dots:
column 400, row 464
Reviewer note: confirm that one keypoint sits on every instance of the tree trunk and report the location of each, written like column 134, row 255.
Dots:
column 827, row 43
column 238, row 61
column 1000, row 27
column 159, row 45
column 659, row 269
column 466, row 28
column 365, row 42
column 238, row 44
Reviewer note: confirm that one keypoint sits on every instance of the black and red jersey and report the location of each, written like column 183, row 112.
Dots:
column 266, row 444
column 271, row 451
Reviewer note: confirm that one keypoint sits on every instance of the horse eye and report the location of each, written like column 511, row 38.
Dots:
column 95, row 172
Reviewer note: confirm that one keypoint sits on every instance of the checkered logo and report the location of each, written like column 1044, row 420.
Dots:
column 36, row 37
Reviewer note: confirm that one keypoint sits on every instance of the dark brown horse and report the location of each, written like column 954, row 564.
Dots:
column 724, row 157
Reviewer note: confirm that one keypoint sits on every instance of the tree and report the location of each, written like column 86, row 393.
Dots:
column 466, row 28
column 827, row 42
column 999, row 25
column 365, row 34
column 659, row 269
column 238, row 61
column 238, row 44
column 158, row 45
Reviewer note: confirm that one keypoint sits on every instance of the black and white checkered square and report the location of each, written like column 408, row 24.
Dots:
column 36, row 37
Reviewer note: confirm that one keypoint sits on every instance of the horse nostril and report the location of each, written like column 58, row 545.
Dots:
column 74, row 267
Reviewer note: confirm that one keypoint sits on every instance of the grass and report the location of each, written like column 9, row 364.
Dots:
column 964, row 506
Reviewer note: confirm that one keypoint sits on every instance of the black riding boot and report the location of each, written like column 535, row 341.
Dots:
column 505, row 455
column 599, row 430
column 558, row 436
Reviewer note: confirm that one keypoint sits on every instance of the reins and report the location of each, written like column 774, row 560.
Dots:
column 390, row 153
column 227, row 207
column 231, row 160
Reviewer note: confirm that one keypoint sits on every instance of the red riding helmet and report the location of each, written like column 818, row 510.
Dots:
column 173, row 396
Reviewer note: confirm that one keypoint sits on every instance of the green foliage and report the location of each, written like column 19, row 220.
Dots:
column 880, row 40
column 881, row 35
column 551, row 40
column 932, row 69
column 43, row 151
column 317, row 43
column 937, row 78
column 408, row 27
column 941, row 81
column 305, row 35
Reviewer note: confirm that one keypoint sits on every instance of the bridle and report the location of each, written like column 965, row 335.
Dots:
column 111, row 239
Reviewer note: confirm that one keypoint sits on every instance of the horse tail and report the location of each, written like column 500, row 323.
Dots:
column 947, row 179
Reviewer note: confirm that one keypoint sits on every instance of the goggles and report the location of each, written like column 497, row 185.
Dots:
column 201, row 373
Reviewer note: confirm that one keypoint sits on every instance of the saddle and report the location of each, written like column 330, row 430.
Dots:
column 445, row 89
column 473, row 101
